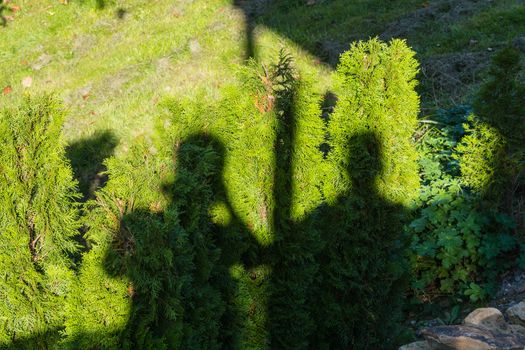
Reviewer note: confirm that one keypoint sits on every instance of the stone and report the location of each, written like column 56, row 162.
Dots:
column 471, row 337
column 27, row 82
column 418, row 345
column 42, row 61
column 516, row 329
column 194, row 46
column 516, row 314
column 519, row 43
column 488, row 317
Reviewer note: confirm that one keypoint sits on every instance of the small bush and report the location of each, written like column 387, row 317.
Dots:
column 38, row 221
column 459, row 245
column 499, row 137
column 218, row 236
column 370, row 186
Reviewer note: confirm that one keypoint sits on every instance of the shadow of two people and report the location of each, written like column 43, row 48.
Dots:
column 324, row 270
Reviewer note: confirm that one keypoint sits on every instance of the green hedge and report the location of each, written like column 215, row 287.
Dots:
column 235, row 230
column 370, row 187
column 249, row 221
column 38, row 221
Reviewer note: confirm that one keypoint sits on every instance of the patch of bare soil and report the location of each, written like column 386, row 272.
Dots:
column 452, row 74
column 512, row 290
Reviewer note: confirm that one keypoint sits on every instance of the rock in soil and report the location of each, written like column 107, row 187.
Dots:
column 418, row 345
column 516, row 314
column 471, row 337
column 489, row 318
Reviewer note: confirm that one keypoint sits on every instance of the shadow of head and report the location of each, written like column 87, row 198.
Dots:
column 87, row 157
column 198, row 163
column 365, row 162
column 145, row 234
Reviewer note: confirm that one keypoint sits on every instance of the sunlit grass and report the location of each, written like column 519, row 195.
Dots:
column 112, row 65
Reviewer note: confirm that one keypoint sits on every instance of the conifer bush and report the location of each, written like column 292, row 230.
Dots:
column 370, row 186
column 494, row 152
column 38, row 221
column 231, row 229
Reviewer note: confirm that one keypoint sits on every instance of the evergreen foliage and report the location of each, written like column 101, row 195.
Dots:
column 233, row 229
column 372, row 182
column 482, row 156
column 494, row 153
column 38, row 221
column 501, row 100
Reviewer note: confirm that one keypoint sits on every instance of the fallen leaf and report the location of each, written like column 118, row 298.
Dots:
column 27, row 82
column 85, row 92
column 7, row 90
column 15, row 8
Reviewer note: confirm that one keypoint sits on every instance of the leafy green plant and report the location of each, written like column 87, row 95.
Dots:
column 458, row 245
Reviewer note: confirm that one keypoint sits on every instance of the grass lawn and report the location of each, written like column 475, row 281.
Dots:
column 113, row 61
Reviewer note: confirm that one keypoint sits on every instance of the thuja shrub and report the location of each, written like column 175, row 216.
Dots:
column 493, row 155
column 151, row 278
column 99, row 306
column 38, row 221
column 215, row 235
column 501, row 100
column 371, row 183
column 271, row 130
column 183, row 237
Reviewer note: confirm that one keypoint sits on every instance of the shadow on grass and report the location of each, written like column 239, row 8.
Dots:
column 323, row 28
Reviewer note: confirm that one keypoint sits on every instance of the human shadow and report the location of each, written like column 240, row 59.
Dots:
column 331, row 272
column 362, row 263
column 87, row 157
column 178, row 260
column 341, row 260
